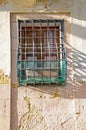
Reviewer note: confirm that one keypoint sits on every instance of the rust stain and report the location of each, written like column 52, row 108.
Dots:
column 56, row 94
column 63, row 123
column 78, row 113
column 14, row 85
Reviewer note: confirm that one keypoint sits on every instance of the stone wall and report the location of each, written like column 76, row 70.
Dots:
column 43, row 107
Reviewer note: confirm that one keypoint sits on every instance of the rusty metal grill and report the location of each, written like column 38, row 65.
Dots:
column 41, row 52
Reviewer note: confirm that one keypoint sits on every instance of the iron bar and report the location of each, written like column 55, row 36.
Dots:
column 41, row 51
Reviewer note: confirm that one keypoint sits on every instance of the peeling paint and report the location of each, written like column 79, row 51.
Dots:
column 32, row 119
column 4, row 79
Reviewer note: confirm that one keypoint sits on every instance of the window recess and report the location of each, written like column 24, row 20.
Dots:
column 41, row 52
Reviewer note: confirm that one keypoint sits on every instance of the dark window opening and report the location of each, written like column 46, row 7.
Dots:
column 41, row 52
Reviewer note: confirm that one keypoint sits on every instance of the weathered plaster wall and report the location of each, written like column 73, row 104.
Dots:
column 5, row 70
column 2, row 2
column 78, row 21
column 79, row 40
column 46, row 107
column 5, row 107
column 79, row 60
column 50, row 98
column 5, row 42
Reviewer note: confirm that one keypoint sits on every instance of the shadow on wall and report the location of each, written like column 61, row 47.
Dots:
column 75, row 88
column 70, row 91
column 42, row 93
column 79, row 61
column 79, row 30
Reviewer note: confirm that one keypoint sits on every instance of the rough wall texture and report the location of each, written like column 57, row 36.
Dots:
column 4, row 79
column 45, row 107
column 47, row 103
column 2, row 2
column 5, row 107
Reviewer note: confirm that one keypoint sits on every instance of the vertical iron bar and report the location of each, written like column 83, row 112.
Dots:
column 41, row 50
column 62, row 35
column 25, row 49
column 59, row 51
column 21, row 51
column 49, row 48
column 54, row 42
column 33, row 48
column 56, row 51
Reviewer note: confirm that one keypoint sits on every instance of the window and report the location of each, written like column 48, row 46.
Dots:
column 41, row 52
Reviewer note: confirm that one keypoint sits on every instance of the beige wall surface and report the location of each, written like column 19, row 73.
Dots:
column 35, row 104
column 78, row 31
column 43, row 107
